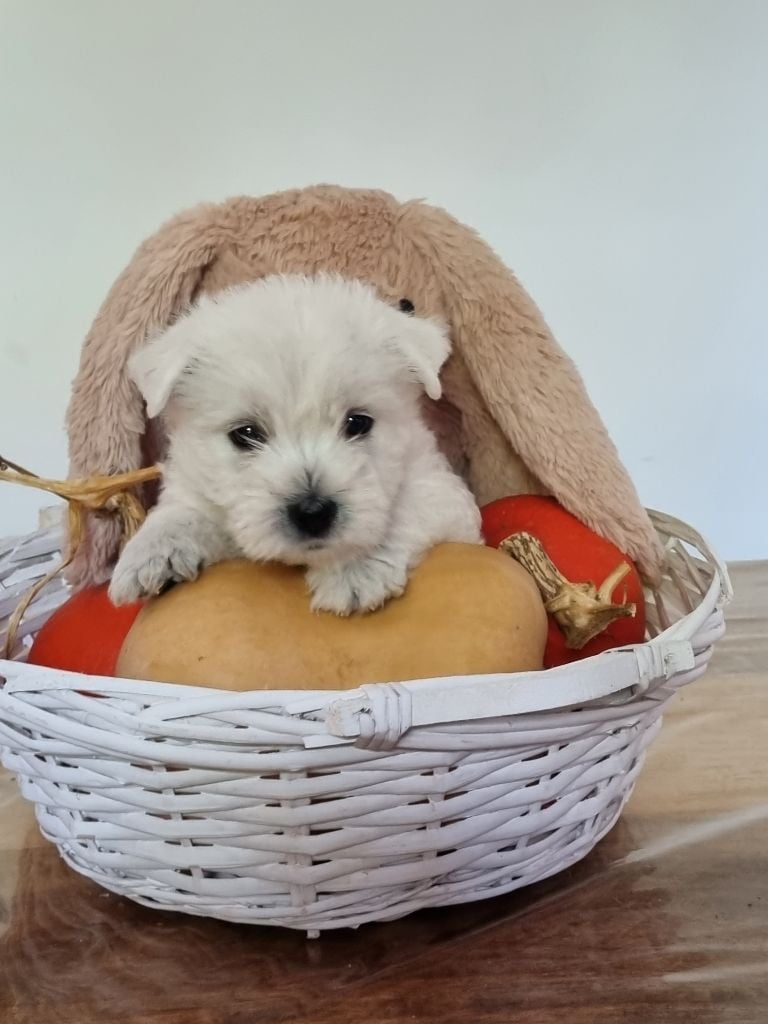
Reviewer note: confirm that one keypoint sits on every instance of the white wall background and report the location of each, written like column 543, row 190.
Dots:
column 615, row 152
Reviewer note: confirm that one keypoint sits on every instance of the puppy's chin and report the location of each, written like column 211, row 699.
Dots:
column 278, row 545
column 315, row 554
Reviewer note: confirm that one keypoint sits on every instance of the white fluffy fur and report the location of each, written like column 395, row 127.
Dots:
column 296, row 355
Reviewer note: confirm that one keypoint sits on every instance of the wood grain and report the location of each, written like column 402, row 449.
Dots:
column 667, row 921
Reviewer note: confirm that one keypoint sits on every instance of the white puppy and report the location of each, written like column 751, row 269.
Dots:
column 292, row 410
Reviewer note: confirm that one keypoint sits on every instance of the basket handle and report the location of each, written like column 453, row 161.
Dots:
column 376, row 715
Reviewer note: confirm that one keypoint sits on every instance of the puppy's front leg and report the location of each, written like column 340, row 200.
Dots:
column 360, row 585
column 175, row 542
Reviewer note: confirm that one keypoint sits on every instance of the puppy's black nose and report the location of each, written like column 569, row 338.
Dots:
column 312, row 515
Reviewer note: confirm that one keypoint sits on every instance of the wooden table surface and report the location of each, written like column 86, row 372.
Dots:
column 666, row 921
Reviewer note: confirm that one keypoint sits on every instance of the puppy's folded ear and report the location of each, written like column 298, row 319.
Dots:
column 158, row 365
column 425, row 346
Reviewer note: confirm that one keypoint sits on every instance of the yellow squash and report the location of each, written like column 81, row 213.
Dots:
column 241, row 626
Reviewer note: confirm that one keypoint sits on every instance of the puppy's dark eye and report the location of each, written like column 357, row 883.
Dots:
column 250, row 435
column 357, row 424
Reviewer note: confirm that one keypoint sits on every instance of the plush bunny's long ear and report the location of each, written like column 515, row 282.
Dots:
column 105, row 419
column 530, row 387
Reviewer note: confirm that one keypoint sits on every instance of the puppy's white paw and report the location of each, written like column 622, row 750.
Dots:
column 359, row 586
column 149, row 563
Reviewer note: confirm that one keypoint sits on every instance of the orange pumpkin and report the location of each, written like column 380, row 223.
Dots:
column 589, row 581
column 85, row 634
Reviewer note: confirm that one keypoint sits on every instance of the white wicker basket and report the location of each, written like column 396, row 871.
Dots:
column 318, row 810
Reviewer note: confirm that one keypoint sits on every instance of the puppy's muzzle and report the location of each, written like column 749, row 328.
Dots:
column 312, row 515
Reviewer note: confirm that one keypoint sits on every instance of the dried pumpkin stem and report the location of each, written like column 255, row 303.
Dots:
column 581, row 610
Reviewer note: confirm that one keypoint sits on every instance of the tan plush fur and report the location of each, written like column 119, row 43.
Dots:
column 515, row 416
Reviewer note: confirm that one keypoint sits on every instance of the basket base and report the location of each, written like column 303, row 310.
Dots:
column 466, row 886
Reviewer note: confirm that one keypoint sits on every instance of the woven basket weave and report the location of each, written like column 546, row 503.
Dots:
column 318, row 810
